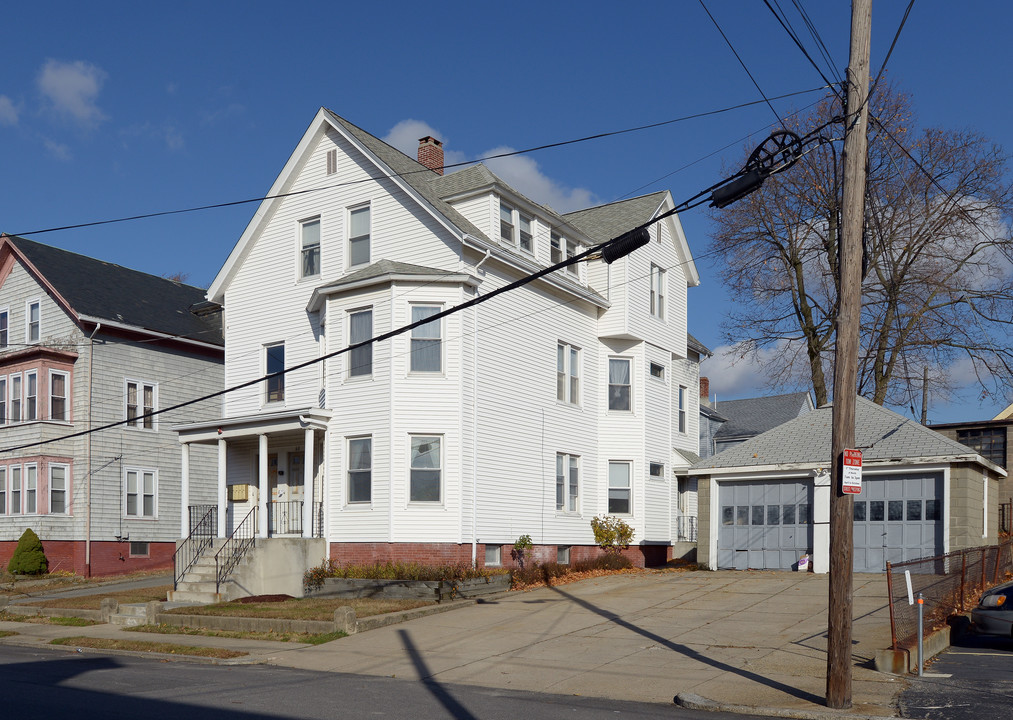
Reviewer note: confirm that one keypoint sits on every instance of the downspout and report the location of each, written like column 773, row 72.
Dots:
column 474, row 425
column 87, row 515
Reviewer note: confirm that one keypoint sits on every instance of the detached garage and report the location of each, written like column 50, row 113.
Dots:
column 765, row 503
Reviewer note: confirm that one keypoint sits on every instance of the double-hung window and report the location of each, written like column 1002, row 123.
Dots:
column 567, row 374
column 3, row 400
column 58, row 395
column 555, row 248
column 358, row 236
column 4, row 328
column 571, row 251
column 141, row 493
column 15, row 398
column 524, row 237
column 426, row 341
column 309, row 244
column 506, row 223
column 360, row 329
column 33, row 321
column 619, row 491
column 3, row 490
column 274, row 362
column 426, row 469
column 31, row 489
column 31, row 394
column 658, row 292
column 567, row 482
column 15, row 471
column 516, row 228
column 360, row 470
column 682, row 408
column 619, row 390
column 58, row 489
column 141, row 399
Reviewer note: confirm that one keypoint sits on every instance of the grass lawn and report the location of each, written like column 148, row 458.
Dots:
column 276, row 636
column 145, row 646
column 58, row 580
column 94, row 602
column 43, row 620
column 303, row 608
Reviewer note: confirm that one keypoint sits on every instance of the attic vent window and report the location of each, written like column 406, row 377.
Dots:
column 332, row 162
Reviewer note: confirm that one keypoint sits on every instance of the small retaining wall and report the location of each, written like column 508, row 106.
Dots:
column 433, row 590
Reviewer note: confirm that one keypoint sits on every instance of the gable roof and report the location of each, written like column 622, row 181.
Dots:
column 385, row 271
column 752, row 416
column 881, row 435
column 95, row 290
column 693, row 344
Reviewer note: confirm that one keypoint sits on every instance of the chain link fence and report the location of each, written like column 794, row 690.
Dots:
column 950, row 584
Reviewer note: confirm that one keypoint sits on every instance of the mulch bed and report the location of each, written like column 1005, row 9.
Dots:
column 264, row 599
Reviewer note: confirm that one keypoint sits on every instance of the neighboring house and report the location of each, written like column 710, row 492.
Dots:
column 85, row 343
column 745, row 419
column 991, row 440
column 527, row 415
column 767, row 501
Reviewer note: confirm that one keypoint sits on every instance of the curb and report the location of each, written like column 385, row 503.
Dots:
column 696, row 702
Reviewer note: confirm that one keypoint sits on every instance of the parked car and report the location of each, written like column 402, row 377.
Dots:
column 994, row 614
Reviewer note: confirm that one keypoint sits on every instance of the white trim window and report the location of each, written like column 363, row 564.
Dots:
column 33, row 321
column 620, row 388
column 360, row 470
column 274, row 361
column 516, row 228
column 3, row 489
column 309, row 248
column 31, row 395
column 59, row 382
column 359, row 231
column 506, row 223
column 493, row 555
column 567, row 373
column 31, row 489
column 3, row 400
column 15, row 396
column 683, row 414
column 5, row 317
column 657, row 291
column 427, row 340
column 620, row 493
column 141, row 400
column 567, row 483
column 571, row 251
column 140, row 499
column 426, row 469
column 657, row 371
column 656, row 471
column 360, row 329
column 525, row 233
column 15, row 471
column 58, row 488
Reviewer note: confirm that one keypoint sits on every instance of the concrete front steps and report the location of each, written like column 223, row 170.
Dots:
column 198, row 585
column 130, row 615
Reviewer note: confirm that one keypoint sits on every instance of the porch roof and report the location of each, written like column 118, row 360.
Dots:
column 264, row 423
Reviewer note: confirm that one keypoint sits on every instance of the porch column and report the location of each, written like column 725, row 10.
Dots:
column 223, row 503
column 265, row 490
column 821, row 522
column 307, row 486
column 184, row 491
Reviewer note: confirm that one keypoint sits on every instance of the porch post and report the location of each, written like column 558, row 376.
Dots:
column 307, row 487
column 184, row 491
column 223, row 503
column 265, row 490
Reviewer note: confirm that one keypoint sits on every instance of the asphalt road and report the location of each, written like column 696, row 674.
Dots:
column 43, row 683
column 976, row 681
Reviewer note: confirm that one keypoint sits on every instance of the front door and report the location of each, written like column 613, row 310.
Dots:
column 286, row 486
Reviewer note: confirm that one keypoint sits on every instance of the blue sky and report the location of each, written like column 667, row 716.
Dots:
column 115, row 109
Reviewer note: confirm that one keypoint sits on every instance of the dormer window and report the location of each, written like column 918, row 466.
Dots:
column 557, row 246
column 516, row 228
column 506, row 223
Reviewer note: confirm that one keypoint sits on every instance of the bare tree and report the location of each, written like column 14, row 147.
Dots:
column 938, row 288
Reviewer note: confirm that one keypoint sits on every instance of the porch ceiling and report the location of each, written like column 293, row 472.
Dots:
column 251, row 426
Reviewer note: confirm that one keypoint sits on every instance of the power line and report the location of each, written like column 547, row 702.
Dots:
column 794, row 37
column 234, row 203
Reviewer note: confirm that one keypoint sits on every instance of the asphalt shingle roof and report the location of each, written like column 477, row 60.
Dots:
column 112, row 292
column 880, row 434
column 758, row 415
column 605, row 222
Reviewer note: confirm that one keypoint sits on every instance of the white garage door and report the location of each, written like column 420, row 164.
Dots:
column 764, row 525
column 897, row 518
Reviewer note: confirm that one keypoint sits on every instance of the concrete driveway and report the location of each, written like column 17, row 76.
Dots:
column 754, row 639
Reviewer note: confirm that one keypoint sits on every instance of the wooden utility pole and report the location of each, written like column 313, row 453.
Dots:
column 846, row 352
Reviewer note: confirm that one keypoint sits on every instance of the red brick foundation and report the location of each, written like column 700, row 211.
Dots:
column 107, row 558
column 451, row 553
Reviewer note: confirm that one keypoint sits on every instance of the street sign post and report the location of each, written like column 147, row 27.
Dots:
column 851, row 472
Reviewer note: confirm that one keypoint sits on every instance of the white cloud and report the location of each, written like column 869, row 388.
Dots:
column 733, row 375
column 73, row 89
column 8, row 111
column 520, row 172
column 57, row 150
column 166, row 133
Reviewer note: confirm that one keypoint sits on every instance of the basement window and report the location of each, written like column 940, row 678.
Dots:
column 140, row 549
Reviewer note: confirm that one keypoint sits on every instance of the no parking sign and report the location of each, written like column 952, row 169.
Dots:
column 851, row 472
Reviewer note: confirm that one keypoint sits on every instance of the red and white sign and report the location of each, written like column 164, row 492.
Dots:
column 851, row 472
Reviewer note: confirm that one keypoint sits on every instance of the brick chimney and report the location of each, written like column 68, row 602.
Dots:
column 431, row 153
column 705, row 392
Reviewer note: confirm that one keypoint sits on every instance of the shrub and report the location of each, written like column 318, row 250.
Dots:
column 521, row 546
column 612, row 534
column 314, row 577
column 29, row 558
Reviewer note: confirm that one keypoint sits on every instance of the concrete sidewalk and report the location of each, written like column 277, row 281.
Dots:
column 744, row 640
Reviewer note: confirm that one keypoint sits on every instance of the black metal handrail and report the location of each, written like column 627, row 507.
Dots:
column 318, row 519
column 285, row 517
column 202, row 535
column 232, row 551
